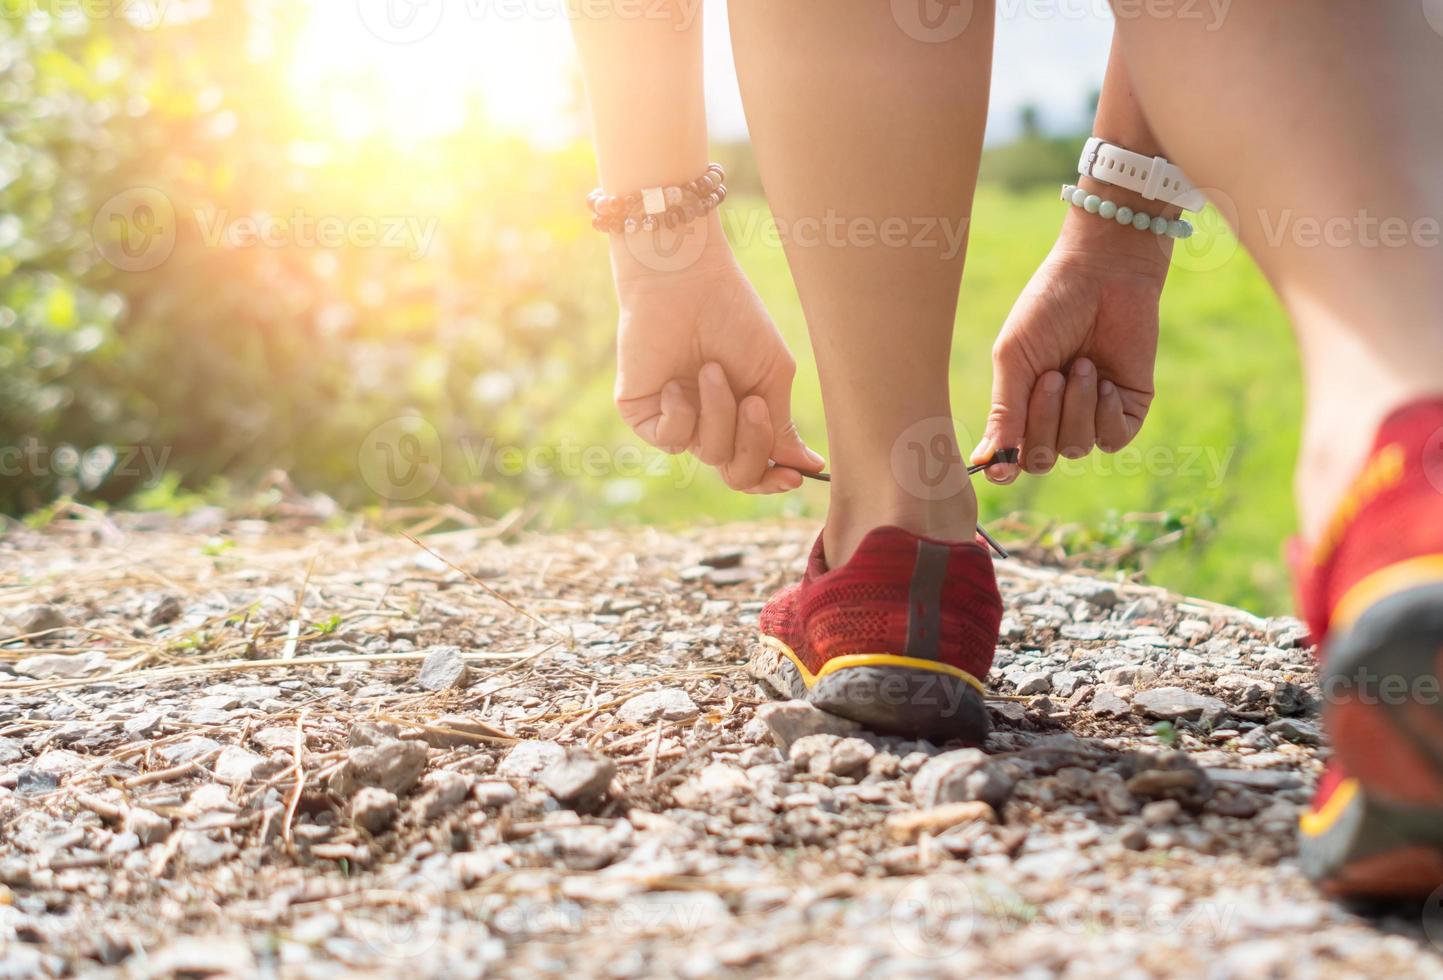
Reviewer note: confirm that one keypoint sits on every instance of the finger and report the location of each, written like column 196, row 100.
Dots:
column 778, row 479
column 788, row 447
column 751, row 457
column 1077, row 432
column 676, row 428
column 718, row 424
column 1044, row 412
column 1012, row 388
column 1112, row 430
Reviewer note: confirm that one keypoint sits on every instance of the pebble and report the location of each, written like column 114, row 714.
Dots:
column 394, row 765
column 668, row 704
column 236, row 765
column 1297, row 730
column 444, row 791
column 789, row 721
column 529, row 759
column 1109, row 703
column 374, row 809
column 47, row 666
column 149, row 826
column 443, row 670
column 1174, row 703
column 579, row 778
column 38, row 618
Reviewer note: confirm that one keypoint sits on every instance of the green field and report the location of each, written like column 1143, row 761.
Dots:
column 1219, row 441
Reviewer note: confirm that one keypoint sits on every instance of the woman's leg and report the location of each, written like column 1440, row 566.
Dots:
column 868, row 139
column 1322, row 127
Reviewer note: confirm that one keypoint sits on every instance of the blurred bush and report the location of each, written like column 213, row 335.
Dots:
column 142, row 329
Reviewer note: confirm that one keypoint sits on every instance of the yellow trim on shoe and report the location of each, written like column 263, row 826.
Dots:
column 1315, row 823
column 869, row 660
column 1383, row 583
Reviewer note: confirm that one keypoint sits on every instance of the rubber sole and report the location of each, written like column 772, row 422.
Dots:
column 1380, row 834
column 889, row 694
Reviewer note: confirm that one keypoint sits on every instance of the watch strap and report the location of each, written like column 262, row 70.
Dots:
column 1152, row 177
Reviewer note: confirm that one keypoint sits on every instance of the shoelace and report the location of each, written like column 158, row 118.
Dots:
column 1001, row 456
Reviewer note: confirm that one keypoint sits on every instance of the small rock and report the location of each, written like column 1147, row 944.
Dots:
column 60, row 665
column 905, row 827
column 36, row 782
column 1290, row 699
column 715, row 783
column 187, row 750
column 147, row 825
column 201, row 852
column 444, row 791
column 530, row 759
column 371, row 733
column 143, row 725
column 1032, row 681
column 669, row 704
column 1297, row 730
column 962, row 775
column 492, row 793
column 236, row 765
column 1108, row 703
column 164, row 610
column 1160, row 812
column 1066, row 682
column 38, row 618
column 789, row 721
column 579, row 778
column 394, row 765
column 1173, row 703
column 1133, row 837
column 443, row 670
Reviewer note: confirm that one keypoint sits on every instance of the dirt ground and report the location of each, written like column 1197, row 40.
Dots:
column 233, row 748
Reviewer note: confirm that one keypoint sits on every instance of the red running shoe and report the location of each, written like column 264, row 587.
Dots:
column 899, row 638
column 1372, row 593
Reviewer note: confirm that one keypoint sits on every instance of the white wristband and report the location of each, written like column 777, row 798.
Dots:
column 1152, row 177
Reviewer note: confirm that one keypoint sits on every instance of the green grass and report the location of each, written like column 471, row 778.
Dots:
column 1229, row 399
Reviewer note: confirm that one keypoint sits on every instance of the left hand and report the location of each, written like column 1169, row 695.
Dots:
column 1073, row 365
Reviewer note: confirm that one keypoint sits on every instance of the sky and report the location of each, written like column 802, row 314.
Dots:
column 361, row 72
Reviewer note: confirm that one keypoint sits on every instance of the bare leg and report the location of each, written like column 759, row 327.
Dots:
column 868, row 140
column 1315, row 121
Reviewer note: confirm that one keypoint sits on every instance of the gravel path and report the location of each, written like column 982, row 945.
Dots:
column 241, row 749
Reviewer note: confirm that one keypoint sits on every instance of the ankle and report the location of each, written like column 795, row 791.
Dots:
column 850, row 519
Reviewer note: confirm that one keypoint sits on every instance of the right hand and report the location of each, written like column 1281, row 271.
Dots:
column 701, row 367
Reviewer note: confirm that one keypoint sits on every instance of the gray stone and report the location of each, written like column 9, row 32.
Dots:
column 493, row 793
column 529, row 759
column 374, row 809
column 38, row 618
column 443, row 670
column 789, row 721
column 187, row 749
column 445, row 790
column 236, row 765
column 669, row 704
column 143, row 725
column 394, row 765
column 1174, row 703
column 147, row 825
column 1108, row 703
column 579, row 778
column 49, row 666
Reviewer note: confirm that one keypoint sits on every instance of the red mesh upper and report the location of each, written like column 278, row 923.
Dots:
column 1393, row 512
column 862, row 607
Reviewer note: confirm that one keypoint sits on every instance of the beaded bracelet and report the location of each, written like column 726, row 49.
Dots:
column 653, row 207
column 1078, row 197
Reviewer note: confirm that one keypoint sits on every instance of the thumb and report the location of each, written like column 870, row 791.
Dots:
column 788, row 448
column 1006, row 420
